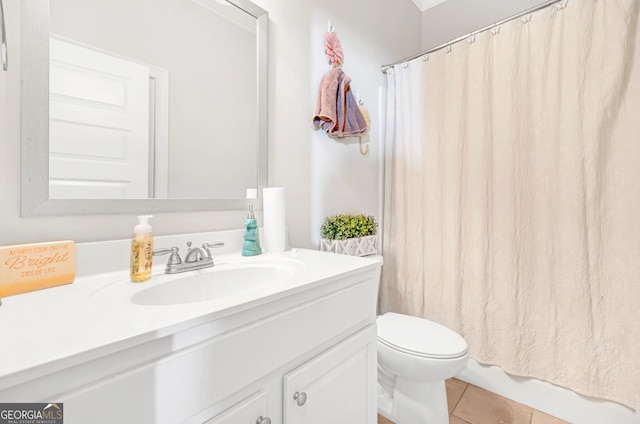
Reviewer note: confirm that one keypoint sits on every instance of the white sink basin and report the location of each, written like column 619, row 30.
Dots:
column 212, row 285
column 223, row 281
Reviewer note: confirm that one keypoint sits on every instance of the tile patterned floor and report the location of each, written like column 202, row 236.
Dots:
column 469, row 404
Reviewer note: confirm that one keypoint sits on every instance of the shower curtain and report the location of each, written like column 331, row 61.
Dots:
column 512, row 195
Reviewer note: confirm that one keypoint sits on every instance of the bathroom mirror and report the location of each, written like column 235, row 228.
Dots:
column 210, row 151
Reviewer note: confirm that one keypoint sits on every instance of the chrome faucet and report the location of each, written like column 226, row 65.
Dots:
column 196, row 258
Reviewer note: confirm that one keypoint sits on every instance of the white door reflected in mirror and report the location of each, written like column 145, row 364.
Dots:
column 98, row 125
column 99, row 113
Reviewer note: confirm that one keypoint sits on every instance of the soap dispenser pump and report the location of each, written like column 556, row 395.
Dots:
column 142, row 250
column 251, row 246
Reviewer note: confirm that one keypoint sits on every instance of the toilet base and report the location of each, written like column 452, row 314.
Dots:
column 414, row 402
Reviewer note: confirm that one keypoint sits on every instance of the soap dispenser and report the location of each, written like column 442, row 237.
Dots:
column 142, row 250
column 251, row 246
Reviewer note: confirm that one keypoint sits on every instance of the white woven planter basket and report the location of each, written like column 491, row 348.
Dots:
column 361, row 246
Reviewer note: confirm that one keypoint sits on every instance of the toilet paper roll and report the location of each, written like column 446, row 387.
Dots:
column 274, row 219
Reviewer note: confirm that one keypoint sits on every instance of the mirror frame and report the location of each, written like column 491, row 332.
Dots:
column 34, row 191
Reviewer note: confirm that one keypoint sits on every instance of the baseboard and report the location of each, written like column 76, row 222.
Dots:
column 546, row 397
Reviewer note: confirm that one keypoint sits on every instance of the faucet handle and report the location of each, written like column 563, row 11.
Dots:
column 174, row 259
column 207, row 246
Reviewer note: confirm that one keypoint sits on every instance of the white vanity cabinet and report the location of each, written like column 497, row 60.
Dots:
column 254, row 363
column 335, row 387
column 252, row 410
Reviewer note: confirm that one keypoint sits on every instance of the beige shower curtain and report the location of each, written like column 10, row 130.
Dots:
column 512, row 195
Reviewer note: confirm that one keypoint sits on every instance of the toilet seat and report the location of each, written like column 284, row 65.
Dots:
column 419, row 337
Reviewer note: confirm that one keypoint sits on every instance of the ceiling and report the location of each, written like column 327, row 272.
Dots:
column 446, row 20
column 427, row 4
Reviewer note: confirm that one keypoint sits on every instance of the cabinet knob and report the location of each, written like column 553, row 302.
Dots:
column 300, row 398
column 265, row 420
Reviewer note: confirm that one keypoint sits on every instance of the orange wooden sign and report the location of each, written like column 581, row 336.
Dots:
column 28, row 267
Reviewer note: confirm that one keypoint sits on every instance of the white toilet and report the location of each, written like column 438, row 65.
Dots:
column 415, row 356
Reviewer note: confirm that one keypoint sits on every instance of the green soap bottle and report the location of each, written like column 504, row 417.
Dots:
column 251, row 246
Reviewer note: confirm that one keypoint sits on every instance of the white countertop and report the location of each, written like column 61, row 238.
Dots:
column 45, row 330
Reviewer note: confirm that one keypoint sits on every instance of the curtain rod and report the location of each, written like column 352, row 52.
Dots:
column 541, row 6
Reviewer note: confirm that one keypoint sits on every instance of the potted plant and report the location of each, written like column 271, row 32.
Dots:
column 349, row 234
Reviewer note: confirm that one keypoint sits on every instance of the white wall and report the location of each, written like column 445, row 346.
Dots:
column 320, row 175
column 323, row 176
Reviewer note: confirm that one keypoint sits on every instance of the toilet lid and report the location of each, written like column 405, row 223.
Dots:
column 420, row 337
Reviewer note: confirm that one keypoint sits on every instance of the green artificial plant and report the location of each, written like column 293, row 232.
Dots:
column 345, row 226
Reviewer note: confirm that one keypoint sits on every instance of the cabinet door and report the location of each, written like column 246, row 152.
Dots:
column 337, row 387
column 250, row 411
